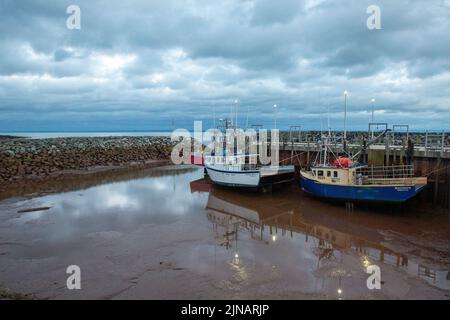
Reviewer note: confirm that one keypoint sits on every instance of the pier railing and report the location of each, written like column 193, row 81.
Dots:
column 427, row 144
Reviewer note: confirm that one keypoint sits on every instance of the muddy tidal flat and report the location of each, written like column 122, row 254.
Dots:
column 165, row 233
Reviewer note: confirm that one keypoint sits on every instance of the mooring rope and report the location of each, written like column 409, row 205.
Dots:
column 436, row 170
column 296, row 155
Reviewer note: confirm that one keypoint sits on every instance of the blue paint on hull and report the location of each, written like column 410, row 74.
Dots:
column 359, row 193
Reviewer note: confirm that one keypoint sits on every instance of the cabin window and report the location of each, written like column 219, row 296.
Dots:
column 328, row 173
column 335, row 174
column 320, row 173
column 315, row 172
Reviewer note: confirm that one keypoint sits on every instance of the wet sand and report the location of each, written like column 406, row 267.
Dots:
column 163, row 233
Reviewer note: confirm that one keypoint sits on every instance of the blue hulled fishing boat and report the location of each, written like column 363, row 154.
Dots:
column 352, row 181
column 361, row 183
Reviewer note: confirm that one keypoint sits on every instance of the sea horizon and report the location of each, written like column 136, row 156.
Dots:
column 38, row 134
column 89, row 133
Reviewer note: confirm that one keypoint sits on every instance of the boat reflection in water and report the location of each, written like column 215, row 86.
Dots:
column 341, row 244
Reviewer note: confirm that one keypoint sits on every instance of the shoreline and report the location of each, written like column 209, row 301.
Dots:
column 77, row 179
column 32, row 160
column 8, row 137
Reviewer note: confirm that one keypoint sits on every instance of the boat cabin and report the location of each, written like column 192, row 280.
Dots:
column 333, row 175
column 235, row 162
column 365, row 175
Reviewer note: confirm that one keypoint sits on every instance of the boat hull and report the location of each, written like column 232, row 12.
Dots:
column 396, row 194
column 246, row 178
column 279, row 178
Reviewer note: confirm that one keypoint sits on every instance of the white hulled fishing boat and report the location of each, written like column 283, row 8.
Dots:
column 235, row 167
column 238, row 171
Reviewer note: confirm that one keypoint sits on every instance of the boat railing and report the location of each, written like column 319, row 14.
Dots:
column 235, row 159
column 236, row 162
column 383, row 175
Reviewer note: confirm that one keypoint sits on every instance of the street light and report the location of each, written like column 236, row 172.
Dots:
column 236, row 102
column 373, row 101
column 373, row 110
column 345, row 114
column 275, row 116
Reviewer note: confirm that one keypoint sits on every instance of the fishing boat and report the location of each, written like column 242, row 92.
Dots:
column 239, row 168
column 346, row 179
column 353, row 181
column 363, row 183
column 238, row 171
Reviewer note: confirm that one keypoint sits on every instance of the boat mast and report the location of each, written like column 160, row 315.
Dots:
column 325, row 150
column 328, row 122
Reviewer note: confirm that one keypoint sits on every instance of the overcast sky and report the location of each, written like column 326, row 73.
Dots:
column 136, row 65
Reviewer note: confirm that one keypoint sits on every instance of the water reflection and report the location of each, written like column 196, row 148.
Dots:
column 158, row 198
column 330, row 237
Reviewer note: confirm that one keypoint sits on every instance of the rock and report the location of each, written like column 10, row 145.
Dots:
column 31, row 157
column 20, row 170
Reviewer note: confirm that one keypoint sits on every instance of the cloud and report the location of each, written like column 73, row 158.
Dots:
column 153, row 62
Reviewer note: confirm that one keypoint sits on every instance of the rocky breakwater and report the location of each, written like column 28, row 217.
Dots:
column 34, row 158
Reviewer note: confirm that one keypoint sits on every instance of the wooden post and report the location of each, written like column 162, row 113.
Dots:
column 447, row 204
column 447, row 176
column 307, row 152
column 436, row 181
column 386, row 149
column 297, row 172
column 292, row 150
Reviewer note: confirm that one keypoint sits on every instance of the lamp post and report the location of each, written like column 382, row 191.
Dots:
column 275, row 116
column 345, row 114
column 373, row 110
column 236, row 102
